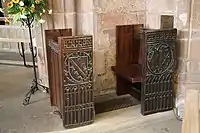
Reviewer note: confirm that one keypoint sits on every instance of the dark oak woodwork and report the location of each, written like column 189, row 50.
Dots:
column 145, row 66
column 53, row 62
column 78, row 80
column 159, row 48
column 70, row 64
column 128, row 59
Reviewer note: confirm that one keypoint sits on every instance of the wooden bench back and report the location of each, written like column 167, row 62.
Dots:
column 55, row 33
column 128, row 44
column 53, row 62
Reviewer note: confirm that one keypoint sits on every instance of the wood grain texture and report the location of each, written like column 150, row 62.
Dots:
column 70, row 66
column 128, row 58
column 145, row 64
column 52, row 62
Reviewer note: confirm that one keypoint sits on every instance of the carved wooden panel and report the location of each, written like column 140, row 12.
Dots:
column 159, row 64
column 77, row 57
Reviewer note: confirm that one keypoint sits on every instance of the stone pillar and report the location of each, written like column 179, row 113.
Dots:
column 193, row 76
column 64, row 15
column 84, row 17
column 182, row 24
column 192, row 100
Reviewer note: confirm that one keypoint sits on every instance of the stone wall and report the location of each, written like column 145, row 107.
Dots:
column 100, row 17
column 108, row 14
column 64, row 15
column 84, row 11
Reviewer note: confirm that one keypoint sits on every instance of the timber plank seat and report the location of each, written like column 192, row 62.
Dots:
column 145, row 65
column 132, row 73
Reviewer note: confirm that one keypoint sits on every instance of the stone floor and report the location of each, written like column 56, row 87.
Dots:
column 38, row 116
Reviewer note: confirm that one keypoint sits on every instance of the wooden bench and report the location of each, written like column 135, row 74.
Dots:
column 145, row 63
column 70, row 68
column 53, row 64
column 127, row 69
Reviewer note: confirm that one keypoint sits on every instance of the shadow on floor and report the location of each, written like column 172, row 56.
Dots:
column 38, row 117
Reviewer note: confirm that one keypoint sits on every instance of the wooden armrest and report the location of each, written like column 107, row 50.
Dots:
column 132, row 73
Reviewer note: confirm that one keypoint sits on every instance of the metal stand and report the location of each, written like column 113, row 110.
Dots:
column 35, row 85
column 22, row 54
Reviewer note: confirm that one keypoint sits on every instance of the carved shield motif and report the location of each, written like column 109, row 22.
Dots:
column 78, row 81
column 160, row 58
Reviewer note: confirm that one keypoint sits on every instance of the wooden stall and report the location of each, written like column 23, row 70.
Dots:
column 145, row 66
column 70, row 66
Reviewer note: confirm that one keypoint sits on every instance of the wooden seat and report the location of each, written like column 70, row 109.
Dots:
column 128, row 67
column 145, row 63
column 132, row 73
column 70, row 72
